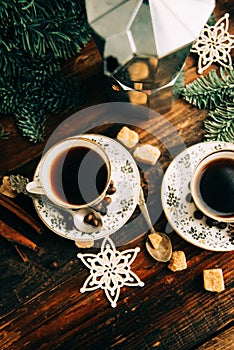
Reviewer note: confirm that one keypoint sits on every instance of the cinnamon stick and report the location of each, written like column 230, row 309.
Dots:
column 21, row 213
column 14, row 236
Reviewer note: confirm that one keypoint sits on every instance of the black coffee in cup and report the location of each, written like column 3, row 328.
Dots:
column 74, row 173
column 212, row 185
column 217, row 185
column 78, row 175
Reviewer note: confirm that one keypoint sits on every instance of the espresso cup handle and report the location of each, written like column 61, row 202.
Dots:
column 35, row 187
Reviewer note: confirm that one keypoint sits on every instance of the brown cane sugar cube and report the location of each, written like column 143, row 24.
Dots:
column 6, row 189
column 155, row 239
column 84, row 244
column 147, row 154
column 213, row 280
column 177, row 261
column 128, row 137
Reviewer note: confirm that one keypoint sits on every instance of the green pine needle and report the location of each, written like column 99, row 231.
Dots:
column 50, row 96
column 219, row 125
column 215, row 92
column 37, row 36
column 31, row 122
column 63, row 94
column 209, row 91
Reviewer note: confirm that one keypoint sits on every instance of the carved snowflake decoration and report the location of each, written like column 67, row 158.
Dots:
column 214, row 45
column 110, row 270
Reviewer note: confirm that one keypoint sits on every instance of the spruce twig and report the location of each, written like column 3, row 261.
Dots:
column 219, row 125
column 36, row 38
column 211, row 90
column 215, row 92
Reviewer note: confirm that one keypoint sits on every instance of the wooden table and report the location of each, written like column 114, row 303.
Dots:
column 41, row 304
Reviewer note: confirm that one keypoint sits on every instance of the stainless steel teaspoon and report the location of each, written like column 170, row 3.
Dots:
column 164, row 250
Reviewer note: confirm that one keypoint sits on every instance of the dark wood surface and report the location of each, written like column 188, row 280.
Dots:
column 41, row 306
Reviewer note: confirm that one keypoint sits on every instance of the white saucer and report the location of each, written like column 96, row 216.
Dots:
column 125, row 175
column 179, row 212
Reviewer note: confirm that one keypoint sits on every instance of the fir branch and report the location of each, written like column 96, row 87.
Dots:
column 49, row 37
column 8, row 97
column 211, row 90
column 219, row 125
column 53, row 95
column 26, row 4
column 36, row 36
column 48, row 8
column 31, row 122
column 41, row 69
column 45, row 28
column 14, row 92
column 63, row 94
column 10, row 56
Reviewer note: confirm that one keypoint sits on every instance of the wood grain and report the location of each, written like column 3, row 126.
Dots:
column 64, row 309
column 223, row 341
column 41, row 306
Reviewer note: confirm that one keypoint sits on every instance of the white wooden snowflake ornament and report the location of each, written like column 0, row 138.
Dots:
column 110, row 270
column 214, row 44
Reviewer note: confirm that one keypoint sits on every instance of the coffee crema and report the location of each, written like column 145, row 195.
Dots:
column 216, row 186
column 78, row 175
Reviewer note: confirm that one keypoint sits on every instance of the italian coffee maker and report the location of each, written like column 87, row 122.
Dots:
column 144, row 44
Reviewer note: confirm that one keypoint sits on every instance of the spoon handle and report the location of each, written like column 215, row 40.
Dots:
column 34, row 187
column 144, row 210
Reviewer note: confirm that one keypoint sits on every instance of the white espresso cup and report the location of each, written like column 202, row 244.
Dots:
column 212, row 185
column 74, row 173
